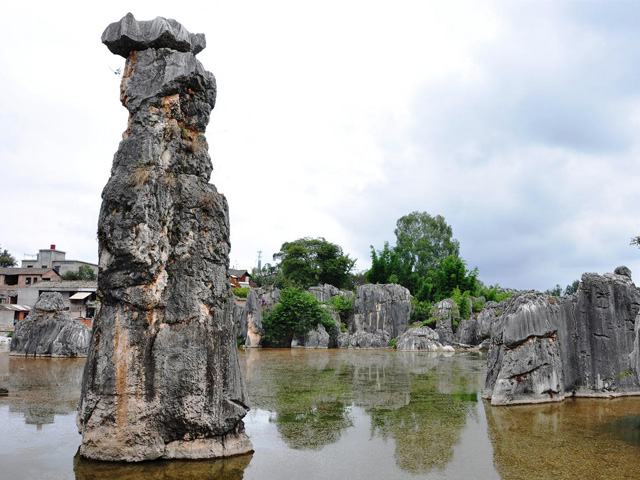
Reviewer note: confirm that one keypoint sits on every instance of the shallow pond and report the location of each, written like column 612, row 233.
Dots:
column 327, row 414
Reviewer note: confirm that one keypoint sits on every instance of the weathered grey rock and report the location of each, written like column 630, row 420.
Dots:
column 129, row 35
column 162, row 379
column 318, row 338
column 381, row 312
column 444, row 312
column 546, row 348
column 323, row 293
column 486, row 318
column 252, row 318
column 467, row 332
column 422, row 338
column 360, row 339
column 49, row 331
column 384, row 308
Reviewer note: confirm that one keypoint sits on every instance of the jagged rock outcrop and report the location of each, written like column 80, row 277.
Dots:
column 422, row 338
column 318, row 338
column 545, row 348
column 444, row 313
column 162, row 379
column 49, row 331
column 486, row 318
column 323, row 293
column 251, row 320
column 361, row 339
column 380, row 313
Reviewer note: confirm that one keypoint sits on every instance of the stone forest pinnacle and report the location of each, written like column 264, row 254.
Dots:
column 162, row 378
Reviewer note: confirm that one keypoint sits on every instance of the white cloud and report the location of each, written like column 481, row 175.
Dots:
column 515, row 122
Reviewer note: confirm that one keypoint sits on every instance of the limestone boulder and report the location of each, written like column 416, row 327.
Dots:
column 444, row 313
column 251, row 320
column 162, row 378
column 49, row 331
column 422, row 338
column 545, row 348
column 381, row 308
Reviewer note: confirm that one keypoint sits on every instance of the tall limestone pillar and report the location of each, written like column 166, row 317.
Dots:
column 162, row 378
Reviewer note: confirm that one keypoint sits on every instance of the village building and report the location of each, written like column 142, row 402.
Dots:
column 239, row 278
column 10, row 314
column 55, row 259
column 15, row 280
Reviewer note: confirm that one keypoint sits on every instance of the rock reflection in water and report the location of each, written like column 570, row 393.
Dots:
column 577, row 438
column 420, row 400
column 306, row 393
column 426, row 429
column 223, row 469
column 40, row 388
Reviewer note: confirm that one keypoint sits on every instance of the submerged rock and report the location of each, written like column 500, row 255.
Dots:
column 545, row 348
column 162, row 379
column 49, row 331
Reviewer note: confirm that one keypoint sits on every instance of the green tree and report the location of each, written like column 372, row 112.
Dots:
column 85, row 272
column 296, row 313
column 314, row 261
column 423, row 241
column 6, row 259
column 450, row 274
column 555, row 292
column 573, row 288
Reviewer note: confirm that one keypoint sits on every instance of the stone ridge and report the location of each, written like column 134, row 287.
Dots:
column 130, row 35
column 547, row 348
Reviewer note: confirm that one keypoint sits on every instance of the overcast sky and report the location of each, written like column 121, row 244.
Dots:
column 516, row 121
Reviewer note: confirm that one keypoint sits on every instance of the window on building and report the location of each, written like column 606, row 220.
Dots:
column 44, row 266
column 11, row 279
column 28, row 281
column 35, row 279
column 29, row 266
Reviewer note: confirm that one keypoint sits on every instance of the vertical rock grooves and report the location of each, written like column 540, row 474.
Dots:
column 547, row 348
column 162, row 378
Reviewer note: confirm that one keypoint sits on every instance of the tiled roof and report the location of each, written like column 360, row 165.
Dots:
column 238, row 273
column 66, row 285
column 23, row 271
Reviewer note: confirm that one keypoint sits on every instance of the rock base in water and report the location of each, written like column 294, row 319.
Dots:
column 547, row 348
column 422, row 338
column 49, row 331
column 162, row 378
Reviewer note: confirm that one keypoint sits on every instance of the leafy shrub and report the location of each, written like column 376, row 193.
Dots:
column 343, row 306
column 492, row 293
column 477, row 305
column 240, row 292
column 420, row 311
column 10, row 334
column 393, row 343
column 296, row 313
column 463, row 302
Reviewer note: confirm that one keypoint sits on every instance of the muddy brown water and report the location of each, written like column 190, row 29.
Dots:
column 327, row 414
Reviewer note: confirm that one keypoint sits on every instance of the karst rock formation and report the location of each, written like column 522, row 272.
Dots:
column 162, row 378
